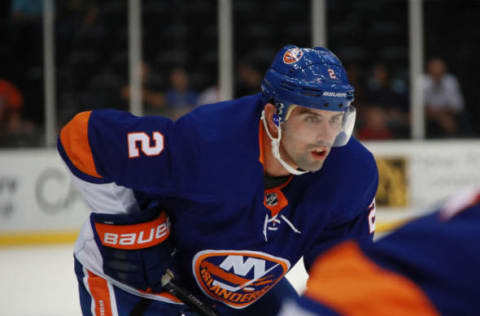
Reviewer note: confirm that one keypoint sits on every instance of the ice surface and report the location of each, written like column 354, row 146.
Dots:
column 39, row 281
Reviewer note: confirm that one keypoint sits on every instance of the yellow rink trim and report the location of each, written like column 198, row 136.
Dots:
column 69, row 237
column 385, row 227
column 37, row 238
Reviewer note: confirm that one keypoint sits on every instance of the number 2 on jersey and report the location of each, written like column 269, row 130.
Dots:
column 142, row 141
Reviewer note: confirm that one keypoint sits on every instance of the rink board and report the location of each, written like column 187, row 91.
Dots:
column 39, row 205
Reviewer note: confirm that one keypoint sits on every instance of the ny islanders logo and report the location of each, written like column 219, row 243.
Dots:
column 237, row 278
column 292, row 55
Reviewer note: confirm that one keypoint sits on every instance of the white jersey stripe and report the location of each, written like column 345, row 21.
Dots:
column 113, row 299
column 107, row 198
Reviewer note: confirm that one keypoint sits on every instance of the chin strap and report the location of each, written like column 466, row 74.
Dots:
column 276, row 147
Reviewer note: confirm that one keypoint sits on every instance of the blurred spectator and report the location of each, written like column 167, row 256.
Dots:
column 102, row 92
column 444, row 108
column 11, row 102
column 355, row 76
column 153, row 99
column 380, row 94
column 89, row 42
column 375, row 125
column 25, row 42
column 249, row 78
column 27, row 9
column 380, row 90
column 14, row 131
column 180, row 99
column 209, row 95
column 27, row 19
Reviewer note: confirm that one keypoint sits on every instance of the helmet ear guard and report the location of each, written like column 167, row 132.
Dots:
column 276, row 119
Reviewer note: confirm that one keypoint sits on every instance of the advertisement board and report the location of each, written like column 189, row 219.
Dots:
column 416, row 176
column 37, row 199
column 39, row 204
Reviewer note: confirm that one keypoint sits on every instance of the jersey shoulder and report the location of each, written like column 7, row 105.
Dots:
column 224, row 120
column 104, row 146
column 224, row 139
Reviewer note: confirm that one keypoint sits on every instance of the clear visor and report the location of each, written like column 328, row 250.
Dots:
column 348, row 123
column 338, row 125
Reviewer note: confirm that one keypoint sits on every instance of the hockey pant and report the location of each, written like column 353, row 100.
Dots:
column 100, row 297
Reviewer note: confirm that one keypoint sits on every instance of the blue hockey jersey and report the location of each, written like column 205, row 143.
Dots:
column 236, row 239
column 429, row 267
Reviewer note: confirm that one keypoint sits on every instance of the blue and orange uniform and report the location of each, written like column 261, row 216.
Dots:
column 429, row 267
column 206, row 171
column 237, row 235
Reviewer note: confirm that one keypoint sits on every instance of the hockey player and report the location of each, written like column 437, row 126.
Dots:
column 227, row 198
column 427, row 268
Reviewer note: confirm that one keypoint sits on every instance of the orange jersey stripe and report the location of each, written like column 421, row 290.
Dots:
column 74, row 139
column 99, row 291
column 345, row 280
column 261, row 136
column 13, row 97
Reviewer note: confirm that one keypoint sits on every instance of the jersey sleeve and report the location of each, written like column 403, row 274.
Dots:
column 427, row 267
column 112, row 154
column 113, row 146
column 345, row 281
column 439, row 252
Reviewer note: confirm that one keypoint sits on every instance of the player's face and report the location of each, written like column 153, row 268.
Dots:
column 308, row 135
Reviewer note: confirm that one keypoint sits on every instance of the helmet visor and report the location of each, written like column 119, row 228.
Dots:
column 346, row 130
column 338, row 127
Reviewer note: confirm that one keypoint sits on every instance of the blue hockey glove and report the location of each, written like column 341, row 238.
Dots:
column 135, row 249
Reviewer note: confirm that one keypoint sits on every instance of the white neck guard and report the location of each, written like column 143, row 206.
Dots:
column 276, row 147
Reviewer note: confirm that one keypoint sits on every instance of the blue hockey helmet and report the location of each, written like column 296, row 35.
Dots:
column 310, row 77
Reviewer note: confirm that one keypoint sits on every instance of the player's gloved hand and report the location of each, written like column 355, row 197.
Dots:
column 135, row 248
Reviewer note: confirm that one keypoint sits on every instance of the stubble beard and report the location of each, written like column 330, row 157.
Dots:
column 302, row 160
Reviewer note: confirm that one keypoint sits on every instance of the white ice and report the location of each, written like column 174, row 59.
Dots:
column 40, row 281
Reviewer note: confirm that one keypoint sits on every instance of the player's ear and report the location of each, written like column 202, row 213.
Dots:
column 272, row 118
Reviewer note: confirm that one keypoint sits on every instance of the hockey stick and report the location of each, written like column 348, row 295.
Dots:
column 185, row 296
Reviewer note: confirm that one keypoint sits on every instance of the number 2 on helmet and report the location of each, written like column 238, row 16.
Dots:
column 331, row 73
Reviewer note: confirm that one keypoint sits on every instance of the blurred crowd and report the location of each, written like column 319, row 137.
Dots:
column 384, row 107
column 92, row 71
